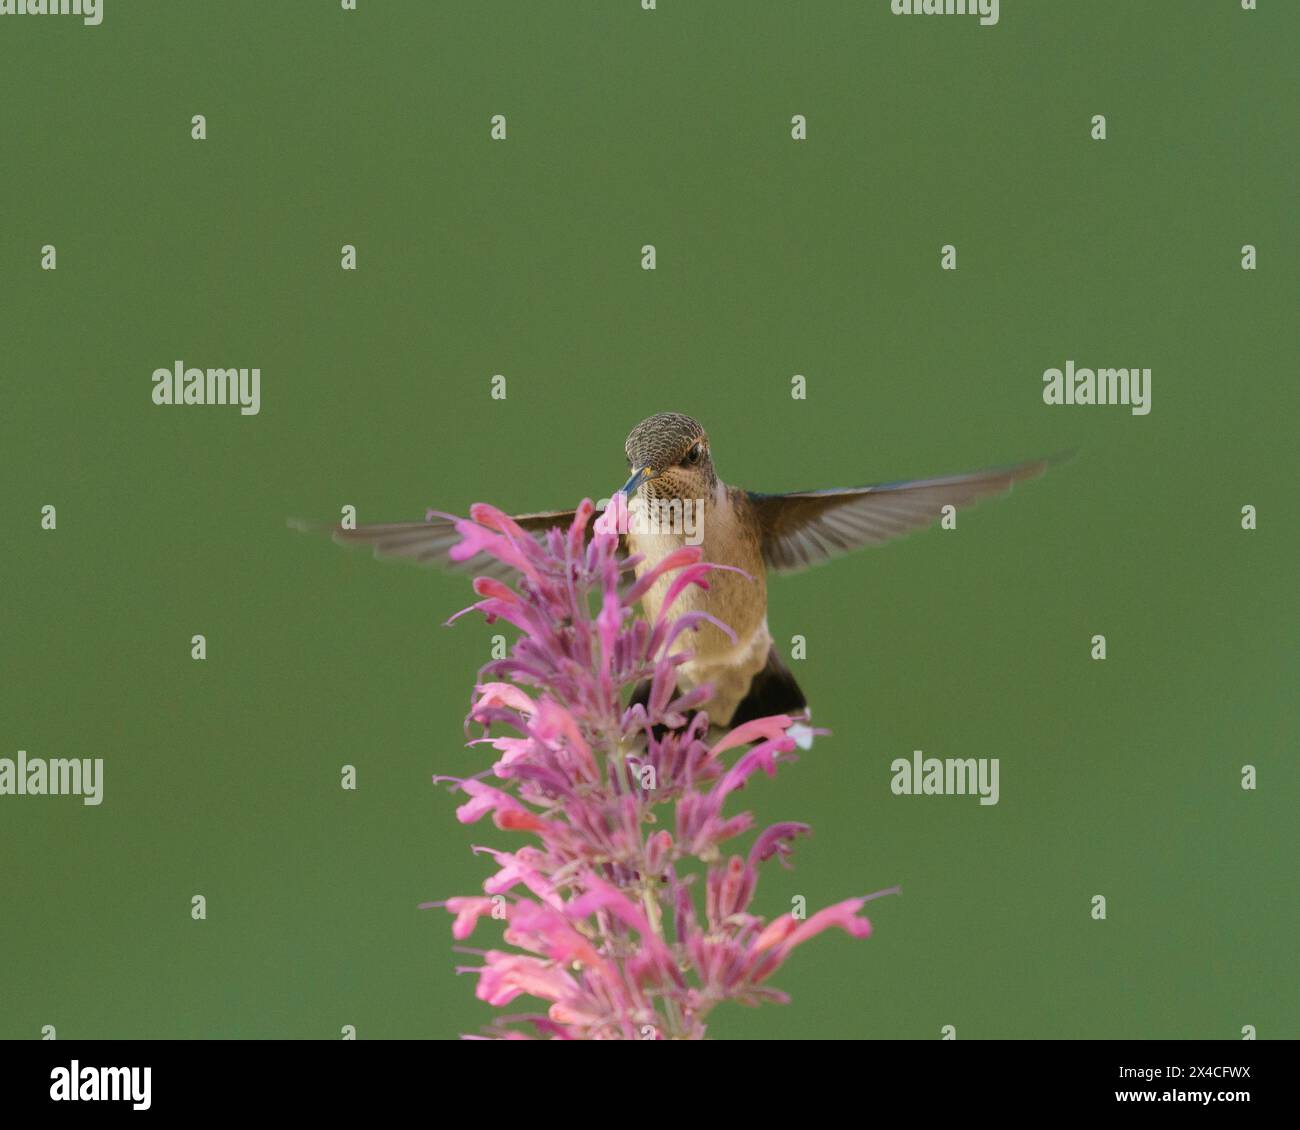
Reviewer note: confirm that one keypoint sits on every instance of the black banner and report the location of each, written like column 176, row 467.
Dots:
column 360, row 1077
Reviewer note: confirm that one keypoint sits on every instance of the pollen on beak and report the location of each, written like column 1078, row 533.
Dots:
column 639, row 476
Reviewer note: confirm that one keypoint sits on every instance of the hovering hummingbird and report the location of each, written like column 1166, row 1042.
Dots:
column 671, row 471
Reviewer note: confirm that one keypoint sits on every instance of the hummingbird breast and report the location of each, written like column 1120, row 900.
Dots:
column 737, row 599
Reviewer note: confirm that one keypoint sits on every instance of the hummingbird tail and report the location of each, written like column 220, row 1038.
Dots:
column 773, row 691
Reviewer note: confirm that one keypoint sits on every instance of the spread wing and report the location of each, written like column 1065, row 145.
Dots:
column 807, row 527
column 430, row 542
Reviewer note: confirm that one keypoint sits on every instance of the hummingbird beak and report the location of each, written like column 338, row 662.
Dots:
column 639, row 476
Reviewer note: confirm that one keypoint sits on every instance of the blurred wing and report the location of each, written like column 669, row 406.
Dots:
column 430, row 542
column 808, row 527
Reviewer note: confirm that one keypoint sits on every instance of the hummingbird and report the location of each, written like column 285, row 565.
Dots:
column 672, row 474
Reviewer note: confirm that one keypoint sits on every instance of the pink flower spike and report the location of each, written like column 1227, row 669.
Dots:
column 626, row 806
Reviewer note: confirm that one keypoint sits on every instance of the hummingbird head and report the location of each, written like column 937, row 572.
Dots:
column 668, row 457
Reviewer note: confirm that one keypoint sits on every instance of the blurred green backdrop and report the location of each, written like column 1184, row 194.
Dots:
column 820, row 258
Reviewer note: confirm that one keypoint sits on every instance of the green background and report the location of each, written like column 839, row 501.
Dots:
column 522, row 258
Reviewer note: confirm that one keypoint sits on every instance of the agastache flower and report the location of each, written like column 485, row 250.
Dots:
column 624, row 805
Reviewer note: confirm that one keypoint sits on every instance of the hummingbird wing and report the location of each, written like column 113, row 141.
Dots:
column 430, row 542
column 811, row 526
